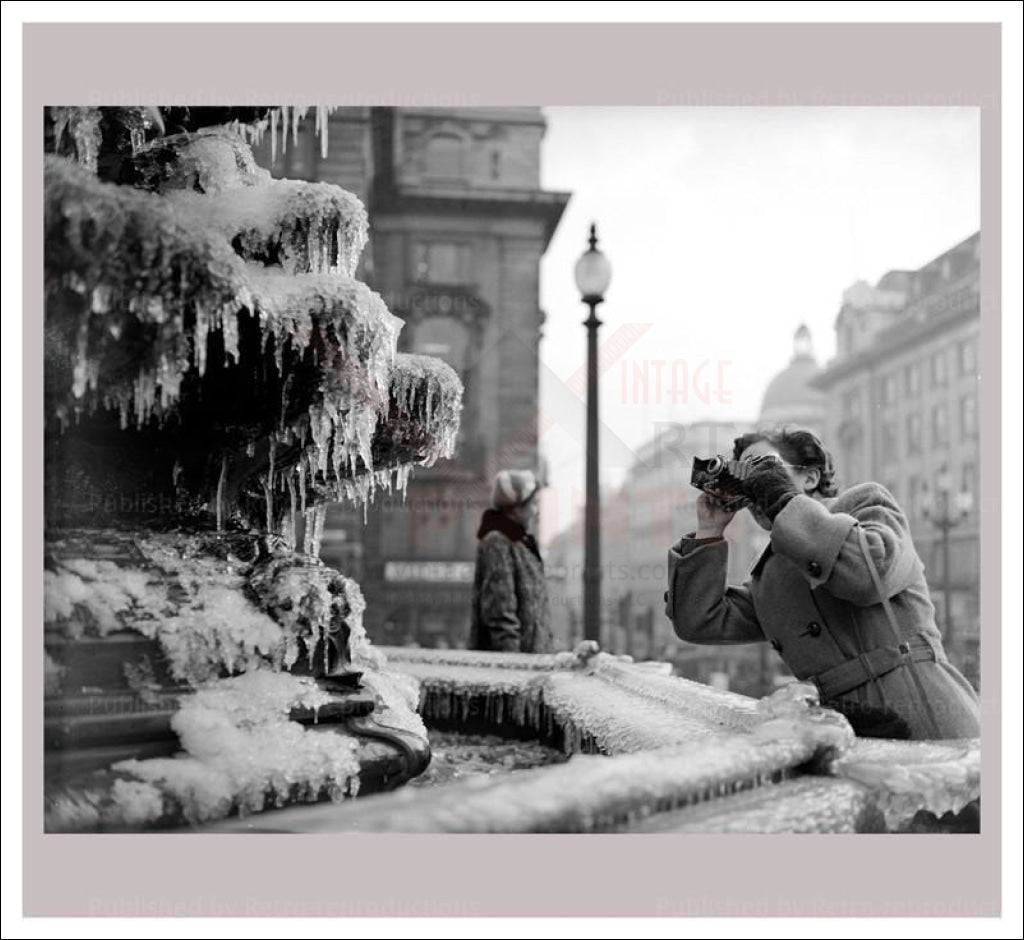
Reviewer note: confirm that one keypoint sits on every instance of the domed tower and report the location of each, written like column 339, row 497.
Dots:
column 790, row 398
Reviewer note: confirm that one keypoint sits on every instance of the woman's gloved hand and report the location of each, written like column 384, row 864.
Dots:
column 768, row 485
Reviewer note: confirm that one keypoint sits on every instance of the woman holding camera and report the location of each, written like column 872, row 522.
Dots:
column 839, row 593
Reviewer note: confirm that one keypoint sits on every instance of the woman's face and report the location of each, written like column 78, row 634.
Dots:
column 527, row 515
column 532, row 513
column 805, row 479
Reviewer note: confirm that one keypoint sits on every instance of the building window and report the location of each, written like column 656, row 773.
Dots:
column 912, row 380
column 443, row 157
column 967, row 357
column 914, row 495
column 968, row 416
column 888, row 390
column 939, row 368
column 940, row 425
column 851, row 404
column 969, row 479
column 890, row 439
column 913, row 434
column 442, row 263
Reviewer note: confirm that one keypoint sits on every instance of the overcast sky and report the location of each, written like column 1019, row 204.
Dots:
column 726, row 228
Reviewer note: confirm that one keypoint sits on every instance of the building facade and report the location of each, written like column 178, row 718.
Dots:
column 458, row 226
column 902, row 397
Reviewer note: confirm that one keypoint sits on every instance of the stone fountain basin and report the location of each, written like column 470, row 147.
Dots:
column 651, row 752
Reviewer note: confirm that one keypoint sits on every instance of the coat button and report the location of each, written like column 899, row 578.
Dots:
column 813, row 629
column 814, row 568
column 776, row 645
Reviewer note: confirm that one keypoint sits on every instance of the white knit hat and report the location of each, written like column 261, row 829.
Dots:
column 513, row 488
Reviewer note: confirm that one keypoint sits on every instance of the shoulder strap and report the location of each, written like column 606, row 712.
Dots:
column 890, row 614
column 902, row 646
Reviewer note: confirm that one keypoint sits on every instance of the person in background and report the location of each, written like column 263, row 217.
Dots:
column 839, row 593
column 510, row 601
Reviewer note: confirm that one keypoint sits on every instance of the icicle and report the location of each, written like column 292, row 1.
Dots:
column 268, row 485
column 322, row 113
column 296, row 115
column 201, row 330
column 273, row 135
column 315, row 518
column 290, row 527
column 307, row 532
column 145, row 397
column 60, row 123
column 85, row 130
column 83, row 367
column 259, row 129
column 138, row 138
column 220, row 492
column 286, row 120
column 229, row 326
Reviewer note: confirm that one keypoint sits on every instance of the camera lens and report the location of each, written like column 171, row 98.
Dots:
column 715, row 465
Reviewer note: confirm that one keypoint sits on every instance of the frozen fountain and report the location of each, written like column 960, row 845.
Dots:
column 215, row 375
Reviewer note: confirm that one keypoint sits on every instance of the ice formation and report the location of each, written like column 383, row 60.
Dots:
column 801, row 804
column 139, row 283
column 211, row 613
column 589, row 793
column 82, row 128
column 906, row 776
column 716, row 744
column 199, row 300
column 305, row 227
column 241, row 754
column 192, row 603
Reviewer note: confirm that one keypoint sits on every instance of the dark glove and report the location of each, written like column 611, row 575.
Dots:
column 870, row 721
column 768, row 485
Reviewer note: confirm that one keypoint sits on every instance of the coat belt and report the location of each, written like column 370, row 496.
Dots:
column 874, row 664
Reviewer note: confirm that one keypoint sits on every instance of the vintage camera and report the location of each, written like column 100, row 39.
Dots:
column 722, row 478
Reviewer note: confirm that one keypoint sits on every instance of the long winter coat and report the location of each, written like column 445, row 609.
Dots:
column 510, row 599
column 812, row 597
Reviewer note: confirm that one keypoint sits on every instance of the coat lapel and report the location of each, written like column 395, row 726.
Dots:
column 755, row 572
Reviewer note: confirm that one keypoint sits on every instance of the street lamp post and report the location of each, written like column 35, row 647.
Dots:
column 946, row 512
column 593, row 274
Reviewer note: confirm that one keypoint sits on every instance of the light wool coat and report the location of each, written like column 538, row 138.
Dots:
column 811, row 595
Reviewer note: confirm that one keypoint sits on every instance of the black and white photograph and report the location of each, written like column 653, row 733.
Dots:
column 339, row 539
column 614, row 469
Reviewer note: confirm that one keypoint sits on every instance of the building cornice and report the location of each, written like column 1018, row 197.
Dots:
column 894, row 340
column 544, row 205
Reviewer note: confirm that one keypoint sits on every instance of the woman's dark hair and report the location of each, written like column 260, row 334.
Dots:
column 798, row 446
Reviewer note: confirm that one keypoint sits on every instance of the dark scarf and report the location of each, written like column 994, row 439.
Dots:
column 496, row 521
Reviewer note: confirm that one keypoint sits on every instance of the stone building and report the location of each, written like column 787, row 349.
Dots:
column 458, row 226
